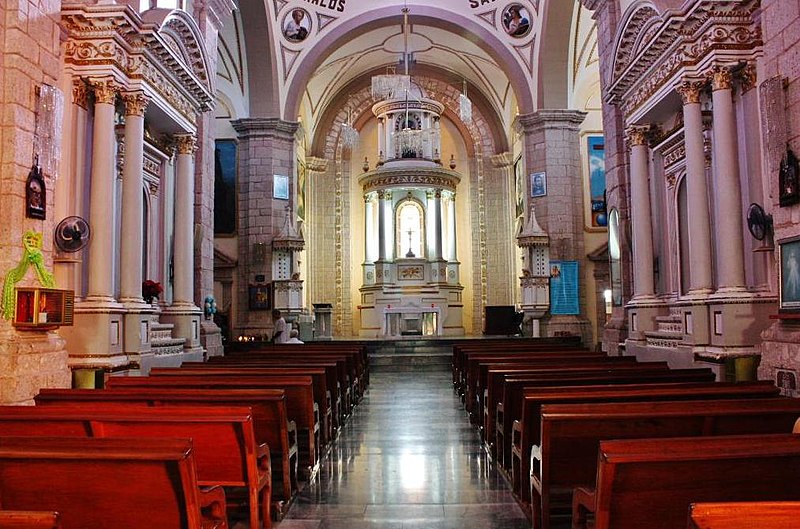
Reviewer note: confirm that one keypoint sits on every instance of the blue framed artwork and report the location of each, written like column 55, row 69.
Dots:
column 280, row 187
column 538, row 184
column 564, row 298
column 597, row 181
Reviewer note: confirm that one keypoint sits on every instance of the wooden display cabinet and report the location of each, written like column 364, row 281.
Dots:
column 43, row 308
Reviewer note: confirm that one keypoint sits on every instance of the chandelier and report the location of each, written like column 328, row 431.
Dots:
column 349, row 134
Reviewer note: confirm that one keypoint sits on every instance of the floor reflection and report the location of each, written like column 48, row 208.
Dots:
column 407, row 459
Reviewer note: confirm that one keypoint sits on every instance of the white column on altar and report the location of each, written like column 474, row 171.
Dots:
column 381, row 227
column 381, row 139
column 430, row 226
column 184, row 221
column 132, row 200
column 369, row 228
column 643, row 283
column 101, row 201
column 438, row 243
column 388, row 215
column 729, row 196
column 700, row 279
column 451, row 229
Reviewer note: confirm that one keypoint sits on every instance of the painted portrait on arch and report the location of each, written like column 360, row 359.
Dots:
column 296, row 25
column 517, row 20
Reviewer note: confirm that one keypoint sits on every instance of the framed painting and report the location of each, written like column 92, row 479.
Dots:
column 280, row 187
column 789, row 255
column 595, row 148
column 538, row 184
column 258, row 297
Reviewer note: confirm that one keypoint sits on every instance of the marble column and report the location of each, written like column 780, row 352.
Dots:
column 381, row 227
column 369, row 228
column 101, row 203
column 388, row 207
column 452, row 254
column 700, row 280
column 437, row 211
column 643, row 283
column 729, row 196
column 184, row 221
column 132, row 199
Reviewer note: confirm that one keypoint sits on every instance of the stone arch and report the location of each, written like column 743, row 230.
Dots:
column 553, row 70
column 181, row 34
column 635, row 30
column 427, row 15
column 260, row 60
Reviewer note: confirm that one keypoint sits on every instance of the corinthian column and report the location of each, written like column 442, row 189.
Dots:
column 184, row 221
column 729, row 195
column 132, row 201
column 643, row 284
column 101, row 203
column 700, row 279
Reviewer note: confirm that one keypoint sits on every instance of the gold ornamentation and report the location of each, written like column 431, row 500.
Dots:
column 185, row 143
column 690, row 92
column 80, row 93
column 135, row 103
column 721, row 78
column 105, row 91
column 637, row 136
column 749, row 77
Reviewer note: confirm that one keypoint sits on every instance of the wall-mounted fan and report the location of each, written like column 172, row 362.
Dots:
column 72, row 234
column 759, row 224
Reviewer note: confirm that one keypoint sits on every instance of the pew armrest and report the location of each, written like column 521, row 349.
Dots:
column 263, row 460
column 583, row 505
column 213, row 508
column 516, row 438
column 291, row 429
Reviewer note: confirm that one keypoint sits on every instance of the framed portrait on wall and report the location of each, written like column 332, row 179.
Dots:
column 538, row 184
column 595, row 148
column 258, row 297
column 280, row 187
column 789, row 255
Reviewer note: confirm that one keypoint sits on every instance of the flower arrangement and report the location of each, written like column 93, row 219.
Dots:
column 151, row 289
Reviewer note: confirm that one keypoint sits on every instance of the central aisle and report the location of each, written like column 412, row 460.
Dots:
column 407, row 459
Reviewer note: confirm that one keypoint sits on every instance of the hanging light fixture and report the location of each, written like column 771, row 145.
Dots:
column 464, row 105
column 409, row 139
column 349, row 135
column 390, row 85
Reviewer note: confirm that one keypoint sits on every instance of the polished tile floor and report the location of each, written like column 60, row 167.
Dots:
column 407, row 459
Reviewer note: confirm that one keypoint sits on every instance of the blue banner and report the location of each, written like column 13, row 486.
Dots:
column 564, row 299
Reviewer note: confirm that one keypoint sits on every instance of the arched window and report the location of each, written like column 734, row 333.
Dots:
column 410, row 222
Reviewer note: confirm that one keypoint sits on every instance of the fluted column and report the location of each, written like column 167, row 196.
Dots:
column 729, row 196
column 390, row 227
column 184, row 221
column 643, row 284
column 101, row 203
column 430, row 226
column 369, row 228
column 132, row 201
column 451, row 228
column 381, row 227
column 700, row 278
column 437, row 211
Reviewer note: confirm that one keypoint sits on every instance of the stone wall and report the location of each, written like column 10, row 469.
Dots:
column 781, row 26
column 29, row 57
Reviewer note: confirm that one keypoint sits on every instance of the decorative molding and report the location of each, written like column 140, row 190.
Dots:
column 526, row 53
column 489, row 17
column 265, row 128
column 382, row 178
column 749, row 77
column 324, row 20
column 637, row 136
column 502, row 160
column 721, row 78
column 80, row 93
column 105, row 91
column 316, row 165
column 289, row 57
column 185, row 143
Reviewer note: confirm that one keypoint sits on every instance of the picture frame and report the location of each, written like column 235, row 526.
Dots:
column 296, row 25
column 35, row 194
column 789, row 276
column 597, row 218
column 280, row 187
column 259, row 297
column 538, row 184
column 789, row 180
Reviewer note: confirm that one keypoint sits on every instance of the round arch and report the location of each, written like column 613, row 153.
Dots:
column 389, row 16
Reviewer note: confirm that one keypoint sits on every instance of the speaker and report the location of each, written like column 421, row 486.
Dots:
column 501, row 320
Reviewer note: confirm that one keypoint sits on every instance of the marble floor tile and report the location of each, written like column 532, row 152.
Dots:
column 406, row 459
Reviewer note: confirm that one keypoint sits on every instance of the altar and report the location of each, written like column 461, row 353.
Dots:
column 412, row 321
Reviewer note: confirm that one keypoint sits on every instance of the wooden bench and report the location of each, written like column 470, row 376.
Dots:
column 223, row 440
column 299, row 391
column 322, row 395
column 29, row 520
column 526, row 429
column 743, row 515
column 566, row 456
column 268, row 407
column 124, row 483
column 651, row 482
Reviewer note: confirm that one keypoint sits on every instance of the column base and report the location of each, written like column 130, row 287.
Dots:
column 211, row 338
column 186, row 321
column 96, row 340
column 698, row 293
column 30, row 361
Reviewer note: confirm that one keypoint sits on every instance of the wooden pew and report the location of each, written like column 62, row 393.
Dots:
column 268, row 406
column 299, row 391
column 29, row 520
column 651, row 482
column 322, row 395
column 566, row 456
column 223, row 439
column 526, row 429
column 124, row 483
column 744, row 515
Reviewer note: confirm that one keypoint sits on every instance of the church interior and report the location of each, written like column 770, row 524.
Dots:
column 294, row 219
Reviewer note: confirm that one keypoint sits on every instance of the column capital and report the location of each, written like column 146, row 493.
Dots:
column 265, row 127
column 185, row 143
column 721, row 78
column 135, row 103
column 690, row 90
column 316, row 165
column 749, row 76
column 80, row 93
column 105, row 90
column 637, row 135
column 437, row 194
column 541, row 119
column 502, row 160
